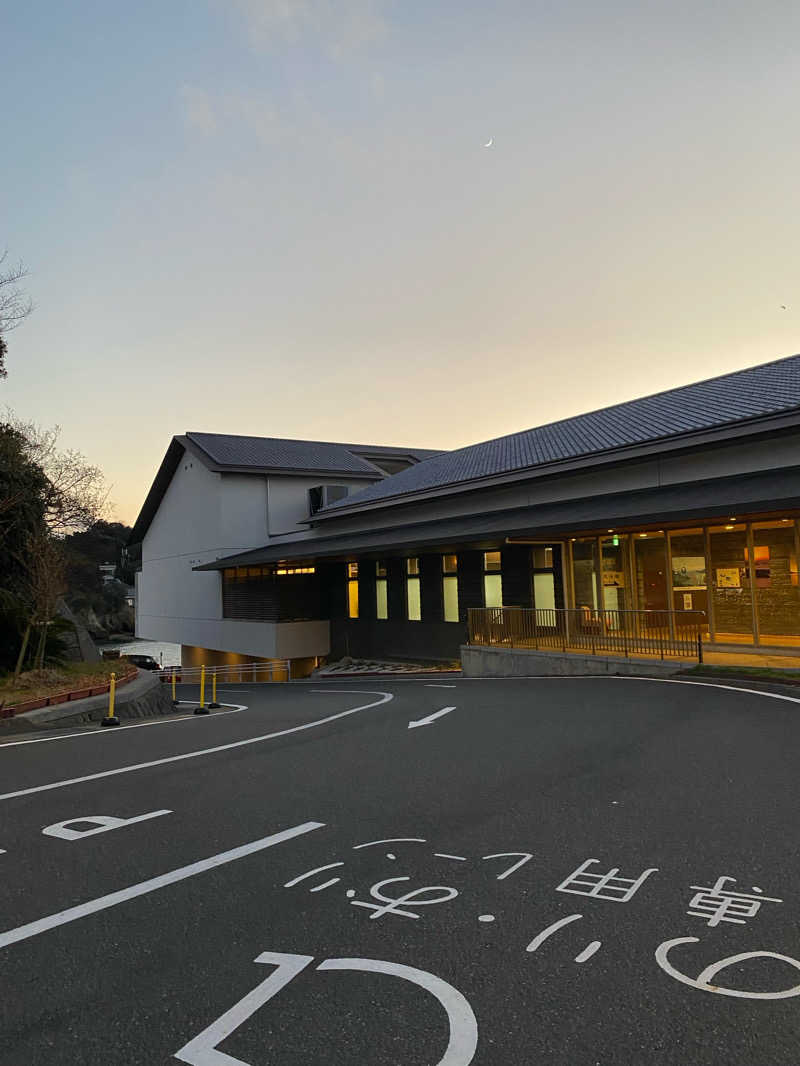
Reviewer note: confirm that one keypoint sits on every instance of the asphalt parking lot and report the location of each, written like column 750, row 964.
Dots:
column 587, row 872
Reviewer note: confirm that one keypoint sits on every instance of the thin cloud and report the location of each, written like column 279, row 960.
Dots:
column 198, row 109
column 341, row 25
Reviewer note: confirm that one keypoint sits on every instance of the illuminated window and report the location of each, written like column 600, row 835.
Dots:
column 352, row 590
column 450, row 587
column 492, row 581
column 381, row 594
column 413, row 601
column 290, row 570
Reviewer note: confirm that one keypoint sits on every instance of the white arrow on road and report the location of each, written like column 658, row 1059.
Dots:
column 431, row 718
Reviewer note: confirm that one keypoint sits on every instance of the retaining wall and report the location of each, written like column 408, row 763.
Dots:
column 477, row 661
column 144, row 697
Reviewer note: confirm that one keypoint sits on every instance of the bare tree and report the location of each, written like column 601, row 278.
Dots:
column 47, row 586
column 77, row 495
column 14, row 304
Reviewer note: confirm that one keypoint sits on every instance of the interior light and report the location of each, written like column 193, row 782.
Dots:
column 732, row 519
column 729, row 527
column 785, row 520
column 609, row 531
column 642, row 534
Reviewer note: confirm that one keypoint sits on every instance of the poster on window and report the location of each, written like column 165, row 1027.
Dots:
column 688, row 572
column 729, row 577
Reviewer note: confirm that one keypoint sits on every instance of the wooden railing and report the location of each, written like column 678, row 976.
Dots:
column 660, row 634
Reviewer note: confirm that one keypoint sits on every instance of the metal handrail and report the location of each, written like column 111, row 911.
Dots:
column 238, row 672
column 664, row 634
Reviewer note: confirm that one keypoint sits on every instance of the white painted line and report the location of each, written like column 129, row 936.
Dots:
column 440, row 686
column 233, row 708
column 391, row 840
column 83, row 910
column 431, row 718
column 463, row 1040
column 385, row 697
column 310, row 873
column 588, row 951
column 540, row 938
column 457, row 858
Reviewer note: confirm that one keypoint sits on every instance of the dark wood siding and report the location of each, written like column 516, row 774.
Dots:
column 431, row 588
column 516, row 574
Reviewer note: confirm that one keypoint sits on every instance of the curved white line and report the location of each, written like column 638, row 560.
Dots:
column 703, row 980
column 540, row 938
column 385, row 697
column 232, row 709
column 463, row 1026
column 319, row 869
column 391, row 840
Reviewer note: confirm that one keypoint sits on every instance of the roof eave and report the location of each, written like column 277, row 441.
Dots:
column 643, row 450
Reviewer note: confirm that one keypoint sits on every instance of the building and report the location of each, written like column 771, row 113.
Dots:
column 216, row 495
column 684, row 501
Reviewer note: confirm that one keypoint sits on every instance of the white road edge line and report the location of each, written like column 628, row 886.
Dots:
column 385, row 697
column 431, row 718
column 73, row 914
column 233, row 708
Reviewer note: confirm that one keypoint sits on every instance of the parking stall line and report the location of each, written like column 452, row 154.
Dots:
column 83, row 910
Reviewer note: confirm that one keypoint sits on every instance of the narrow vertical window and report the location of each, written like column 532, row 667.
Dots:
column 492, row 580
column 450, row 587
column 352, row 590
column 413, row 601
column 381, row 595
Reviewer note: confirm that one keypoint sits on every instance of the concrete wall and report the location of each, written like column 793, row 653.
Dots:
column 518, row 662
column 202, row 517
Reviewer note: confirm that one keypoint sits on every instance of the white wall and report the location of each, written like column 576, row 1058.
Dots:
column 288, row 500
column 202, row 517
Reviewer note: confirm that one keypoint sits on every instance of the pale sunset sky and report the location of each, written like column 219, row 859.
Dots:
column 277, row 217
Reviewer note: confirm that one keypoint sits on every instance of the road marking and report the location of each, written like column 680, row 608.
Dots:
column 103, row 824
column 704, row 978
column 441, row 855
column 233, row 708
column 430, row 718
column 310, row 873
column 83, row 910
column 461, row 1047
column 588, row 951
column 391, row 840
column 440, row 686
column 385, row 697
column 540, row 938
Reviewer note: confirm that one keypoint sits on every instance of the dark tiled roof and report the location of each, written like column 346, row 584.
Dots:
column 743, row 395
column 275, row 453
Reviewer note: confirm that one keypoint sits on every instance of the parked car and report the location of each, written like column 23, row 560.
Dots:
column 144, row 662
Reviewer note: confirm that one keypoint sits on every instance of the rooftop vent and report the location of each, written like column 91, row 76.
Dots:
column 321, row 495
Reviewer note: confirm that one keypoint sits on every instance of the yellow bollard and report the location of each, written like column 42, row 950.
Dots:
column 202, row 709
column 214, row 703
column 174, row 697
column 111, row 718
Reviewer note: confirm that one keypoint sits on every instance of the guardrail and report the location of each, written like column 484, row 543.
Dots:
column 55, row 698
column 274, row 670
column 660, row 634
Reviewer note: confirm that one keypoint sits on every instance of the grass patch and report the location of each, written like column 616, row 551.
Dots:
column 34, row 684
column 766, row 673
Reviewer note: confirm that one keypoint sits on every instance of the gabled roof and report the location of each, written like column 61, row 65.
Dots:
column 739, row 397
column 230, row 453
column 282, row 455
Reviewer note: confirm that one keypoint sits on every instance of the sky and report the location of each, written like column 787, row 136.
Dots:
column 278, row 217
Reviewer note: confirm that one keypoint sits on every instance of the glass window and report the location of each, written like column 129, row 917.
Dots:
column 491, row 561
column 352, row 590
column 544, row 596
column 730, row 584
column 450, row 596
column 449, row 564
column 381, row 600
column 380, row 569
column 616, row 584
column 413, row 601
column 650, row 572
column 584, row 572
column 542, row 558
column 412, row 566
column 689, row 576
column 776, row 580
column 492, row 590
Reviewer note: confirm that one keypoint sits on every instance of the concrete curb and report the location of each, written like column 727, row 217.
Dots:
column 481, row 661
column 145, row 697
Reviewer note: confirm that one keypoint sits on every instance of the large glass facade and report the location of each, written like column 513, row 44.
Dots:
column 739, row 580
